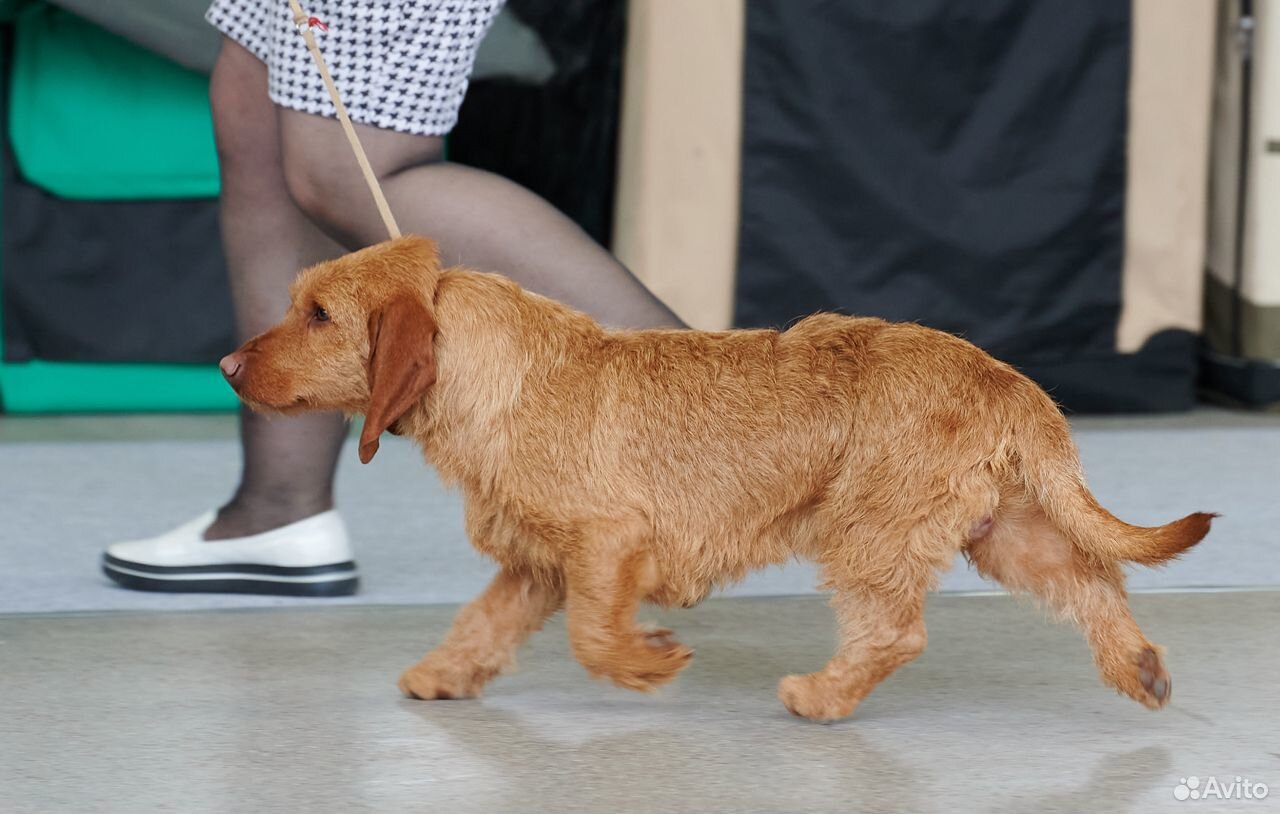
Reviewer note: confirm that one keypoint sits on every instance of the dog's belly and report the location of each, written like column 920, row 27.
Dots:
column 513, row 539
column 688, row 560
column 679, row 596
column 690, row 571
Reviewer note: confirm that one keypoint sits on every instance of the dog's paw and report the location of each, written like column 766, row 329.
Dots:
column 656, row 662
column 816, row 697
column 1141, row 676
column 434, row 679
column 644, row 662
column 1153, row 686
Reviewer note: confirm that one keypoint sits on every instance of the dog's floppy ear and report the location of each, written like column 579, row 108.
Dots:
column 402, row 365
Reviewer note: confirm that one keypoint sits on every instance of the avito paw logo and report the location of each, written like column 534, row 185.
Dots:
column 1187, row 788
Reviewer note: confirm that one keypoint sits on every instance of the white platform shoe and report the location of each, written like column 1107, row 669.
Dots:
column 311, row 557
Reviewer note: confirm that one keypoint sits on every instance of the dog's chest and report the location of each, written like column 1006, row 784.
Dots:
column 512, row 535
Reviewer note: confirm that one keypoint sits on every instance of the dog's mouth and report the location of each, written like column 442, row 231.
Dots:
column 276, row 406
column 270, row 391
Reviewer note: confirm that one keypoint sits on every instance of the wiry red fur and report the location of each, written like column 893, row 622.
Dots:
column 602, row 469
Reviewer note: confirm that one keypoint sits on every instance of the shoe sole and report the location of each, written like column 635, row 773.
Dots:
column 336, row 579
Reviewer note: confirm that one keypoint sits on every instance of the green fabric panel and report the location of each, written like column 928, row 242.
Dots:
column 10, row 8
column 62, row 387
column 93, row 116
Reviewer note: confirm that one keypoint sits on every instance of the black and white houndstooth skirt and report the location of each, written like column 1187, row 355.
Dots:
column 399, row 65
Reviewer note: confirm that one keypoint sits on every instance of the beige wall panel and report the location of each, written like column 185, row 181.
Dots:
column 1170, row 99
column 1262, row 259
column 676, row 215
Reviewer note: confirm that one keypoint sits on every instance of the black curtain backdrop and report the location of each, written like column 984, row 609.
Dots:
column 560, row 138
column 961, row 165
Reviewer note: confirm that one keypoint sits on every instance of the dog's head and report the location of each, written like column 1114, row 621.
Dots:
column 358, row 337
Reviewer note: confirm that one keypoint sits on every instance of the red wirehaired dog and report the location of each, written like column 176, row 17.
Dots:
column 601, row 469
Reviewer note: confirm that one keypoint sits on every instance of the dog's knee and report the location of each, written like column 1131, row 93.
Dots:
column 909, row 643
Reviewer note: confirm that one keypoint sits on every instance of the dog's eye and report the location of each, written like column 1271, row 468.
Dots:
column 320, row 315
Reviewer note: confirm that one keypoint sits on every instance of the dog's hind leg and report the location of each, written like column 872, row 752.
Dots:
column 879, row 632
column 1024, row 552
column 485, row 635
column 890, row 533
column 610, row 573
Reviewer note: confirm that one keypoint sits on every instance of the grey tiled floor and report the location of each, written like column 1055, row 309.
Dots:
column 69, row 486
column 296, row 710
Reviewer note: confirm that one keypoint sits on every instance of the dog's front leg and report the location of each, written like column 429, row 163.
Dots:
column 607, row 578
column 484, row 637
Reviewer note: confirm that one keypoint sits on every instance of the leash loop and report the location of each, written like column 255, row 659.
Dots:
column 305, row 24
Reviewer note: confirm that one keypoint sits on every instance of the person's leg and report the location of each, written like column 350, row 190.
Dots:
column 479, row 219
column 288, row 462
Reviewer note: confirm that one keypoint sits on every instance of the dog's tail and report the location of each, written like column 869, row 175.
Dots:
column 1051, row 472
